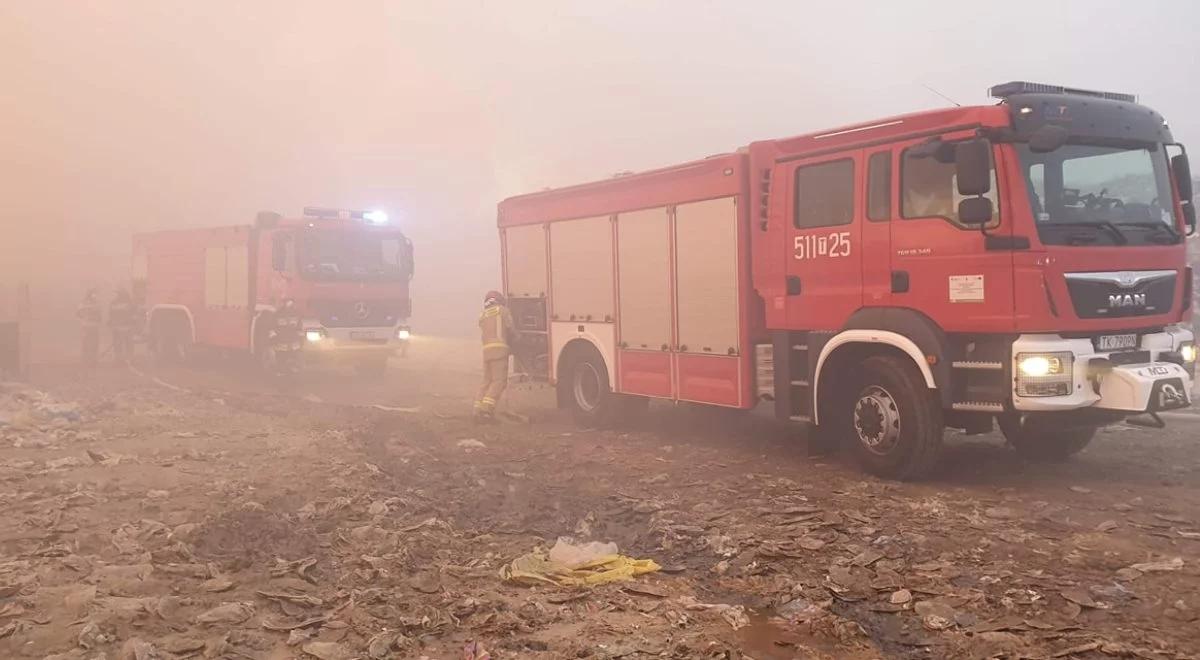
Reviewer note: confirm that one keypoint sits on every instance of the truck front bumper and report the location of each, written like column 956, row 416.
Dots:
column 1151, row 377
column 322, row 342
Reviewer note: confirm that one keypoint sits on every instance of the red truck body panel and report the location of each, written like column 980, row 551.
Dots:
column 222, row 278
column 823, row 279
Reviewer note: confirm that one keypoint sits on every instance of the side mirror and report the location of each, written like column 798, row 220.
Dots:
column 1048, row 138
column 973, row 167
column 408, row 258
column 1189, row 218
column 1183, row 177
column 975, row 211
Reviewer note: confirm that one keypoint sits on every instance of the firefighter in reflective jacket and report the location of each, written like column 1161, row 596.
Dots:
column 496, row 329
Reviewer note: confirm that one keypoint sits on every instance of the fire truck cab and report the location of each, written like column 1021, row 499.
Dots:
column 1020, row 263
column 332, row 284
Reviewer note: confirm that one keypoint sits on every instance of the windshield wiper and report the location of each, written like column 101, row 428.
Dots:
column 1118, row 236
column 1154, row 225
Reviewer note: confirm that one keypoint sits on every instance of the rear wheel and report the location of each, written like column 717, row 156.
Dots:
column 585, row 389
column 171, row 341
column 891, row 419
column 1040, row 439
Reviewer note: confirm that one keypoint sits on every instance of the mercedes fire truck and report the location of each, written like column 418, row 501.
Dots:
column 332, row 284
column 1021, row 263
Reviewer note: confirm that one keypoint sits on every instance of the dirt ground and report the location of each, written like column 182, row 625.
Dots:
column 210, row 512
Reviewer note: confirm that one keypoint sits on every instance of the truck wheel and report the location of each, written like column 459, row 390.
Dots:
column 895, row 422
column 1038, row 439
column 171, row 344
column 585, row 389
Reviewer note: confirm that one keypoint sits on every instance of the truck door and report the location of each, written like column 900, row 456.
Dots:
column 950, row 274
column 824, row 261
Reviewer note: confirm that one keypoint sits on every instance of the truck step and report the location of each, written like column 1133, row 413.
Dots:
column 800, row 383
column 983, row 365
column 800, row 418
column 978, row 406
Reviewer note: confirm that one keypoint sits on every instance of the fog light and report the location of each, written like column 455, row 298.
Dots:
column 403, row 334
column 1188, row 352
column 314, row 335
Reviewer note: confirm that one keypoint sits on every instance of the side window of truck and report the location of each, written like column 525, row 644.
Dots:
column 824, row 195
column 879, row 186
column 929, row 189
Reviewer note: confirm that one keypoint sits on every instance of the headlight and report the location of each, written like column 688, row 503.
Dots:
column 1039, row 366
column 1188, row 352
column 314, row 335
column 1045, row 374
column 403, row 334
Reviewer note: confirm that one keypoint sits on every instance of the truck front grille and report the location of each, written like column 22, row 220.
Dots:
column 359, row 313
column 1121, row 294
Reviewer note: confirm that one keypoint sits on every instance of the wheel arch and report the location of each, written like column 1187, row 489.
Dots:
column 850, row 346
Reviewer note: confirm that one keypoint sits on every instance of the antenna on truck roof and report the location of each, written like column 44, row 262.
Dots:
column 956, row 103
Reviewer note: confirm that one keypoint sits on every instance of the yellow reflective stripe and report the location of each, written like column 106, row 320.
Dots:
column 495, row 344
column 487, row 400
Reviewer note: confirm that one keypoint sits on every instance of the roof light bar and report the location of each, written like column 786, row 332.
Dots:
column 1007, row 89
column 319, row 212
column 376, row 217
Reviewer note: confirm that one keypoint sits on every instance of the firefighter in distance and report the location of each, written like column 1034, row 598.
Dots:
column 496, row 330
column 90, row 315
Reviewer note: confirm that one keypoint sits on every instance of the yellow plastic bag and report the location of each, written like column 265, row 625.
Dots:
column 535, row 568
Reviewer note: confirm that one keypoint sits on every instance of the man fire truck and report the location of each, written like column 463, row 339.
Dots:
column 331, row 284
column 1020, row 263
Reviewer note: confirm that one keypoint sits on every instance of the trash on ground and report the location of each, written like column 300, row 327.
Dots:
column 585, row 566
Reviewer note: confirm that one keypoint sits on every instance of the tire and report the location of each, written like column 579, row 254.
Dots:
column 171, row 343
column 585, row 389
column 1039, row 439
column 893, row 421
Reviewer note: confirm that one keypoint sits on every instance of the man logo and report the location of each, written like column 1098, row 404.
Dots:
column 1127, row 300
column 361, row 311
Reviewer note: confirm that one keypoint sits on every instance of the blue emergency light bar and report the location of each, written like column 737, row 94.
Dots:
column 1021, row 87
column 373, row 217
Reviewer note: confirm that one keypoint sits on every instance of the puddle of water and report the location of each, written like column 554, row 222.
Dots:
column 768, row 638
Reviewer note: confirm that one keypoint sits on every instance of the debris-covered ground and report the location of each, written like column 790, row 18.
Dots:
column 211, row 513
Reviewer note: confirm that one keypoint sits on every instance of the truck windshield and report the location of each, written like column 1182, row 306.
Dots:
column 1101, row 195
column 331, row 254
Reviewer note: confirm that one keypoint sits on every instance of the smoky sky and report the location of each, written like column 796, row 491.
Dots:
column 130, row 115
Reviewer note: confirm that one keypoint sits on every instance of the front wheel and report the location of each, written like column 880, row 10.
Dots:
column 1040, row 439
column 891, row 418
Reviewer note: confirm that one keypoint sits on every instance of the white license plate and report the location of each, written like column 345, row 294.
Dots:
column 1116, row 342
column 362, row 335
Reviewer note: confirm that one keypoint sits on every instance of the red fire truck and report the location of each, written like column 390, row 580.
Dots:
column 330, row 284
column 1021, row 263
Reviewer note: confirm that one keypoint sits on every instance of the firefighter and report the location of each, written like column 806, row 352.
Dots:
column 496, row 329
column 89, row 316
column 120, row 324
